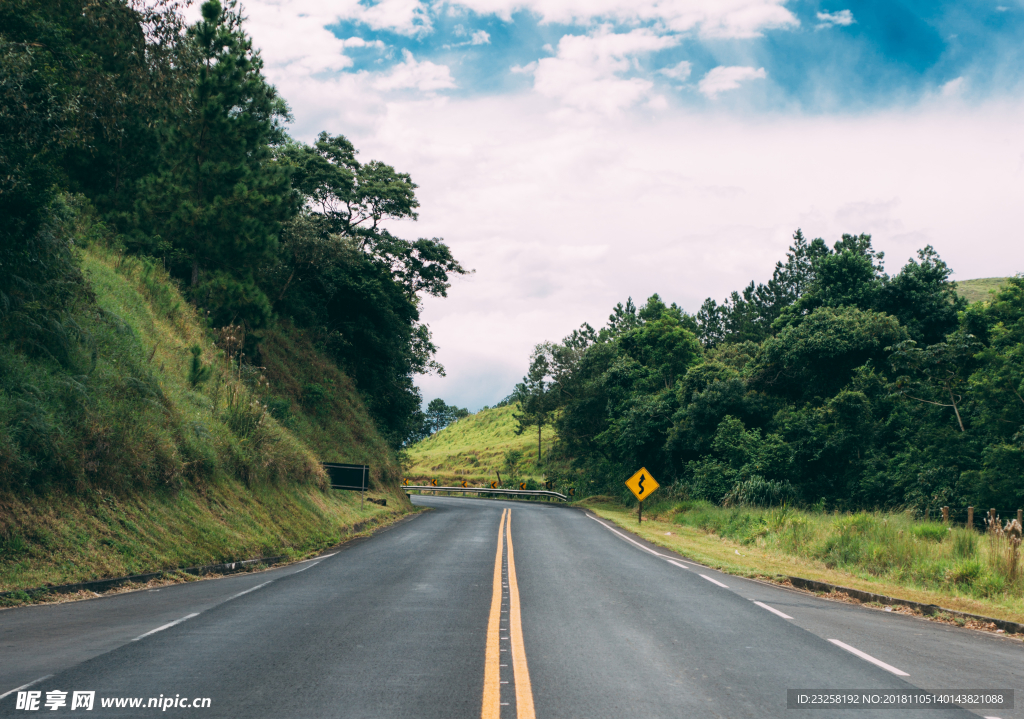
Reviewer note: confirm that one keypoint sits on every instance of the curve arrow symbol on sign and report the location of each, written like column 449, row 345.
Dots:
column 494, row 484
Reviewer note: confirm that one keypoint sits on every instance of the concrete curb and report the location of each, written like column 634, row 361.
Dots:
column 928, row 609
column 102, row 585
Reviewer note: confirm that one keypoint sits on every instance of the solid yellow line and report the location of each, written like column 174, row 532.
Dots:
column 491, row 708
column 524, row 691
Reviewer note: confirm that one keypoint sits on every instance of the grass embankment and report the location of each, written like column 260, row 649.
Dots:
column 114, row 459
column 473, row 449
column 979, row 289
column 99, row 535
column 319, row 403
column 884, row 553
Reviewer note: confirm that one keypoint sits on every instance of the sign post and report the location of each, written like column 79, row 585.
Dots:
column 642, row 485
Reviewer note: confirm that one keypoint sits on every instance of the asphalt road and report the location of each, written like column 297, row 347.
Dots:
column 486, row 609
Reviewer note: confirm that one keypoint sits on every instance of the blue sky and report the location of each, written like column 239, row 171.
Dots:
column 578, row 152
column 856, row 57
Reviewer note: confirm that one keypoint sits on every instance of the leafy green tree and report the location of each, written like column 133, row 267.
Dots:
column 936, row 374
column 923, row 298
column 512, row 466
column 439, row 414
column 340, row 273
column 220, row 197
column 817, row 357
column 536, row 397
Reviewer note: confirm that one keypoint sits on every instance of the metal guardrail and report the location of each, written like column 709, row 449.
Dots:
column 488, row 490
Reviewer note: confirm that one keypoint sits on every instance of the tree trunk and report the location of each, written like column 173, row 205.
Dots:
column 957, row 411
column 195, row 272
column 540, row 426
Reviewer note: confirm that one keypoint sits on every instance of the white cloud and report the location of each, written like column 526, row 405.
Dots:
column 723, row 79
column 714, row 18
column 563, row 216
column 828, row 19
column 406, row 17
column 677, row 72
column 954, row 87
column 587, row 70
column 412, row 75
column 480, row 37
column 527, row 69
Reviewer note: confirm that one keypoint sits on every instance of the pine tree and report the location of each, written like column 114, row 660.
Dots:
column 220, row 198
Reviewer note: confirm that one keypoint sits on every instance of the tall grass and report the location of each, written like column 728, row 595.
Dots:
column 890, row 546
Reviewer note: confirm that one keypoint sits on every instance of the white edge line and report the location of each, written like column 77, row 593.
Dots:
column 250, row 589
column 649, row 551
column 303, row 569
column 323, row 556
column 678, row 564
column 714, row 581
column 25, row 686
column 869, row 658
column 166, row 626
column 773, row 610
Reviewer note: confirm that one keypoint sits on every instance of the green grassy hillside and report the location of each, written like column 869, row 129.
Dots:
column 975, row 290
column 114, row 459
column 474, row 449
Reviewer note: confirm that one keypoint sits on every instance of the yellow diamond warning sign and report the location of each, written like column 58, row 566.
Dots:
column 642, row 484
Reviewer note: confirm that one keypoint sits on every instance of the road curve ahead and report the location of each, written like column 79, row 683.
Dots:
column 483, row 609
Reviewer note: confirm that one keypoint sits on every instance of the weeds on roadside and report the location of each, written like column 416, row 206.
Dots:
column 892, row 546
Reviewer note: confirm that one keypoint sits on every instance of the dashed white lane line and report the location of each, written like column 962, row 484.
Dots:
column 869, row 658
column 253, row 589
column 773, row 610
column 24, row 686
column 714, row 581
column 678, row 564
column 166, row 626
column 646, row 549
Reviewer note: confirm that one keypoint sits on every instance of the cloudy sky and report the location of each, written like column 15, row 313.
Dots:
column 578, row 152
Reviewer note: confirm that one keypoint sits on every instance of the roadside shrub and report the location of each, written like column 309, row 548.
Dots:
column 988, row 585
column 280, row 409
column 313, row 395
column 930, row 531
column 759, row 492
column 841, row 549
column 965, row 543
column 964, row 573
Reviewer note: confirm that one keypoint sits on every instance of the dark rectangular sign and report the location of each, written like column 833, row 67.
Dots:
column 348, row 476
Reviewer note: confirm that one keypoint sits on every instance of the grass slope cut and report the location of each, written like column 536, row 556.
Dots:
column 113, row 462
column 473, row 449
column 979, row 289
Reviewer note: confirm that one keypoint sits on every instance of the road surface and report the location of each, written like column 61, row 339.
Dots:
column 489, row 609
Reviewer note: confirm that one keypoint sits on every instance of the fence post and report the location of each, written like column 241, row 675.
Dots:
column 1020, row 517
column 991, row 519
column 970, row 517
column 945, row 515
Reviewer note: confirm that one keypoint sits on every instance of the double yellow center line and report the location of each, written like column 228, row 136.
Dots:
column 513, row 643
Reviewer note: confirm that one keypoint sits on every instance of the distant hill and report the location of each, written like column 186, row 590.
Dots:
column 975, row 290
column 474, row 449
